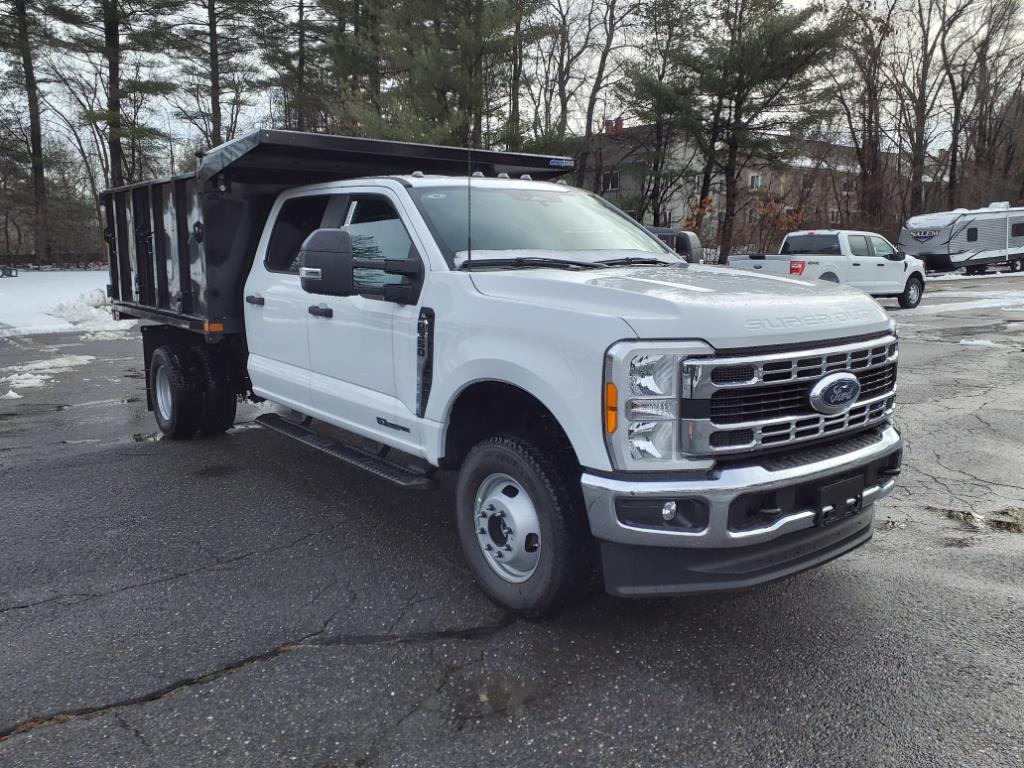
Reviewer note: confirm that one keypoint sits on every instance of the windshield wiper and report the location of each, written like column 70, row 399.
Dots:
column 526, row 262
column 635, row 260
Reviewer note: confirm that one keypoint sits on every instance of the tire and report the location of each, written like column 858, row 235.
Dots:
column 1017, row 265
column 560, row 567
column 177, row 400
column 828, row 277
column 219, row 400
column 912, row 293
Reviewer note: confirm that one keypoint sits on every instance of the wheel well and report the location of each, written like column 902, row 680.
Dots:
column 490, row 407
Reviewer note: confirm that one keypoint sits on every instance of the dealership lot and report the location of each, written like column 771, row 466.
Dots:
column 244, row 601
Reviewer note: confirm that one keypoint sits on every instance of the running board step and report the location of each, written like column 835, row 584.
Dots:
column 403, row 477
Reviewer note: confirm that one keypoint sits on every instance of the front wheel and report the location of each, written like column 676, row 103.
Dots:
column 912, row 294
column 522, row 526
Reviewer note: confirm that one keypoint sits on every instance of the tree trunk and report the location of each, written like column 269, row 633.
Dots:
column 216, row 128
column 112, row 52
column 42, row 231
column 513, row 129
column 300, row 71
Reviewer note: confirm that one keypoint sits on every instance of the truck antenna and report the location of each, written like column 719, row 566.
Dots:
column 469, row 197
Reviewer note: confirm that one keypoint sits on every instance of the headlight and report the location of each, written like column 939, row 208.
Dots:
column 643, row 386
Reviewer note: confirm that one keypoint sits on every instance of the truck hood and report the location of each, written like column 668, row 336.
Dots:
column 727, row 308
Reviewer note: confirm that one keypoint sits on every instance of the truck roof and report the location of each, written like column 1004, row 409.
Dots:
column 832, row 232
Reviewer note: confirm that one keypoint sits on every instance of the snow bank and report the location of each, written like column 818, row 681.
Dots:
column 55, row 302
column 11, row 395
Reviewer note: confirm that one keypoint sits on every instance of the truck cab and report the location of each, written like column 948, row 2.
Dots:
column 613, row 413
column 864, row 260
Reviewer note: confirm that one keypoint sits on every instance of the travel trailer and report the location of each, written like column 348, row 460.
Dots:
column 968, row 239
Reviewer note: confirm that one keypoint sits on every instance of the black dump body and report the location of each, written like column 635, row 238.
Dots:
column 180, row 248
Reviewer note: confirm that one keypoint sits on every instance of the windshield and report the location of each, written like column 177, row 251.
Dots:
column 516, row 222
column 811, row 244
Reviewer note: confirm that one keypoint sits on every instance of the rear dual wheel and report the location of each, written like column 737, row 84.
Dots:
column 191, row 391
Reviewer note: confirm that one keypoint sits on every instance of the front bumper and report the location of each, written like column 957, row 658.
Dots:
column 749, row 524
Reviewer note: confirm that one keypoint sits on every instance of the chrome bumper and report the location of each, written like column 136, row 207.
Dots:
column 719, row 491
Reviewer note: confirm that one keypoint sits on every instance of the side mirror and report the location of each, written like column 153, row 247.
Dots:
column 900, row 255
column 694, row 251
column 325, row 263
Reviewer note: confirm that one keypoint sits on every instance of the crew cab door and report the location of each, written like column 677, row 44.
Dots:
column 889, row 271
column 352, row 338
column 275, row 304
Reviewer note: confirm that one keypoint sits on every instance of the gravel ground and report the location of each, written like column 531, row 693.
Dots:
column 242, row 601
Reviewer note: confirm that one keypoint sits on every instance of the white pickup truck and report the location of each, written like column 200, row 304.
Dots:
column 612, row 412
column 864, row 260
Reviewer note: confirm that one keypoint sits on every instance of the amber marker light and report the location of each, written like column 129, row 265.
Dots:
column 611, row 407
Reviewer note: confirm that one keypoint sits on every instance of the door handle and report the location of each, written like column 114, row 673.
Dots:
column 321, row 311
column 257, row 300
column 880, row 264
column 855, row 264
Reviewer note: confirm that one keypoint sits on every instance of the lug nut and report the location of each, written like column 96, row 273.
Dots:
column 508, row 547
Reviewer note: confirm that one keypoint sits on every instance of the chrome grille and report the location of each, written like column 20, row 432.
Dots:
column 760, row 402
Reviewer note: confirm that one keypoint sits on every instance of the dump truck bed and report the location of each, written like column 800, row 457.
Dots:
column 180, row 248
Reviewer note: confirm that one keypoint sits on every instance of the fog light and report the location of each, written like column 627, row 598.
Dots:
column 668, row 511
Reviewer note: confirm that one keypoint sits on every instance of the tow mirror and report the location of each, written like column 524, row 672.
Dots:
column 325, row 263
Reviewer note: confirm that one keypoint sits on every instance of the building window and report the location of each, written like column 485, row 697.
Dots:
column 833, row 215
column 972, row 234
column 755, row 182
column 610, row 181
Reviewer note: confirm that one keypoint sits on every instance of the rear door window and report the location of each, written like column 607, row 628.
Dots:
column 859, row 245
column 296, row 221
column 823, row 244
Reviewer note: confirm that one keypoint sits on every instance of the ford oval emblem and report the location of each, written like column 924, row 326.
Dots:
column 835, row 393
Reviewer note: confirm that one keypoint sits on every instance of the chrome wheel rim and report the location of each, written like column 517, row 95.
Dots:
column 162, row 385
column 507, row 528
column 914, row 293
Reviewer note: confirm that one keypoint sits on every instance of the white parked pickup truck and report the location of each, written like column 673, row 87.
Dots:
column 864, row 260
column 613, row 413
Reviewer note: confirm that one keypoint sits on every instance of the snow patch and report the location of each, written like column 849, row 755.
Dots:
column 39, row 373
column 105, row 336
column 979, row 343
column 11, row 395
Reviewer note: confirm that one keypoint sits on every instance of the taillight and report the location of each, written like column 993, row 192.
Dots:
column 797, row 267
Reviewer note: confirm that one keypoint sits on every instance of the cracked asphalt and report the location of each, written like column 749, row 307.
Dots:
column 243, row 601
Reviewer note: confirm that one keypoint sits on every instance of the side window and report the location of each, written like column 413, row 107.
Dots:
column 377, row 233
column 295, row 222
column 1017, row 230
column 882, row 248
column 859, row 245
column 972, row 234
